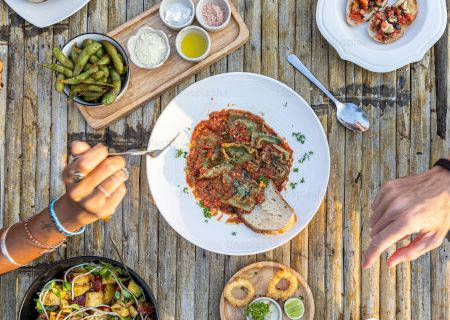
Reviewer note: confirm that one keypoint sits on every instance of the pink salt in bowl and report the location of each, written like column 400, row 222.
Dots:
column 213, row 15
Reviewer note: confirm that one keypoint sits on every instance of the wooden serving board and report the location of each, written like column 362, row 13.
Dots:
column 148, row 84
column 260, row 273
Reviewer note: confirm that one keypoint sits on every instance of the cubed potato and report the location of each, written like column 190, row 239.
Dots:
column 51, row 299
column 108, row 295
column 94, row 299
column 81, row 280
column 65, row 306
column 133, row 311
column 80, row 290
column 55, row 316
column 134, row 289
column 120, row 310
column 108, row 281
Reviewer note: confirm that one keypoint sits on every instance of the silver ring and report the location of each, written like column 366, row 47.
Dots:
column 106, row 193
column 76, row 176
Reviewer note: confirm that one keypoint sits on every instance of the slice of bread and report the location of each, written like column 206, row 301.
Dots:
column 273, row 216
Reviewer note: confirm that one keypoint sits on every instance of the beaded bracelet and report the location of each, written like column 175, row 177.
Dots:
column 4, row 250
column 47, row 249
column 59, row 225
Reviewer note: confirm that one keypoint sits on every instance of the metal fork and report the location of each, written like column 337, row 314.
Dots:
column 150, row 153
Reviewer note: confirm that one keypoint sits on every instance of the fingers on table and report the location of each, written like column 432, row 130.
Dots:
column 417, row 247
column 383, row 240
column 382, row 201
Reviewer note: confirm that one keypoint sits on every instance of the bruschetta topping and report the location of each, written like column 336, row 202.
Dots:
column 360, row 8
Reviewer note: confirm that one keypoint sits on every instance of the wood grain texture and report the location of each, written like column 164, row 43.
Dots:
column 410, row 120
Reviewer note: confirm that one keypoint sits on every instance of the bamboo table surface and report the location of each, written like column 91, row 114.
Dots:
column 410, row 130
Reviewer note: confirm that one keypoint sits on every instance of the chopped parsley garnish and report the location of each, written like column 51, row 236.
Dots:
column 293, row 184
column 285, row 104
column 263, row 180
column 185, row 190
column 257, row 311
column 234, row 233
column 206, row 212
column 303, row 180
column 306, row 156
column 296, row 170
column 299, row 136
column 181, row 153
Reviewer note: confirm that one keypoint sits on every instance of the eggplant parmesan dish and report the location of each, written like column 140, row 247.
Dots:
column 237, row 165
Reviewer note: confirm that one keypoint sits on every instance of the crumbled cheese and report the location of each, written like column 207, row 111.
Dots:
column 388, row 28
column 150, row 49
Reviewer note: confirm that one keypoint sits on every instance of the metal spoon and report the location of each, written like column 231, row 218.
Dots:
column 349, row 114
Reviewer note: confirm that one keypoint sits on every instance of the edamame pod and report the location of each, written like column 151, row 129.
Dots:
column 97, row 83
column 114, row 55
column 105, row 60
column 112, row 94
column 61, row 57
column 59, row 85
column 93, row 59
column 98, row 75
column 87, row 42
column 105, row 70
column 58, row 68
column 81, row 76
column 74, row 56
column 91, row 96
column 84, row 57
column 100, row 53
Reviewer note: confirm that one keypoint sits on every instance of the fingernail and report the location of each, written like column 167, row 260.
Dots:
column 123, row 174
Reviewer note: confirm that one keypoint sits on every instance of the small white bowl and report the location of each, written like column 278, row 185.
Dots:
column 78, row 40
column 276, row 304
column 132, row 45
column 186, row 31
column 165, row 5
column 226, row 11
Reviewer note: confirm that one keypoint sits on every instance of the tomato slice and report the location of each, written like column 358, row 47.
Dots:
column 356, row 17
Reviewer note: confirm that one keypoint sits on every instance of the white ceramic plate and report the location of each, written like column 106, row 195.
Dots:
column 46, row 13
column 355, row 45
column 284, row 110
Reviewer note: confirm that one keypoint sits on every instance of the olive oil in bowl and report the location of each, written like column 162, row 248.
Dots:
column 193, row 44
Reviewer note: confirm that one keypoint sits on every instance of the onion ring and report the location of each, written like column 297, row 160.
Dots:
column 278, row 294
column 239, row 283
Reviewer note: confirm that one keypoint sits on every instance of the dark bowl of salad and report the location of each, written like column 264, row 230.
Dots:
column 88, row 287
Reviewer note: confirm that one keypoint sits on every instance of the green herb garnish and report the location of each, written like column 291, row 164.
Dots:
column 306, row 156
column 186, row 190
column 234, row 233
column 257, row 311
column 181, row 153
column 263, row 180
column 303, row 180
column 67, row 286
column 299, row 136
column 296, row 170
column 293, row 184
column 206, row 212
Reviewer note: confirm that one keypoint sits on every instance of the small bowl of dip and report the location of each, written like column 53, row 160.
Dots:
column 177, row 14
column 213, row 15
column 193, row 44
column 149, row 48
column 275, row 312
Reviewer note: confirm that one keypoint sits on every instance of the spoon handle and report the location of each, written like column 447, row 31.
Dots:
column 295, row 61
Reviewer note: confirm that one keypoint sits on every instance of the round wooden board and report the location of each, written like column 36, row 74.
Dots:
column 259, row 274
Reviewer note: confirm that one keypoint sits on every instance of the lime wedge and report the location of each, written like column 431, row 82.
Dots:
column 294, row 308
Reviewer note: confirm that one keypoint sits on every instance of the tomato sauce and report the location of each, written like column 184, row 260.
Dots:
column 231, row 155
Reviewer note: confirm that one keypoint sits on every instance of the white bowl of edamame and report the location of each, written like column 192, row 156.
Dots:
column 97, row 70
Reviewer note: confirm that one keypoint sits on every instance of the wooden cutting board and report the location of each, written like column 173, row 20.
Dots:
column 260, row 273
column 148, row 84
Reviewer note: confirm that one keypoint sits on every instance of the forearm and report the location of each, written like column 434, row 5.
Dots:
column 41, row 228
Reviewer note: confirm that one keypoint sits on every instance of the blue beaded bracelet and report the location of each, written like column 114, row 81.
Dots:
column 59, row 225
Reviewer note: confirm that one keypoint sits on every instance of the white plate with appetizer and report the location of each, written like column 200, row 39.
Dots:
column 249, row 169
column 44, row 13
column 382, row 35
